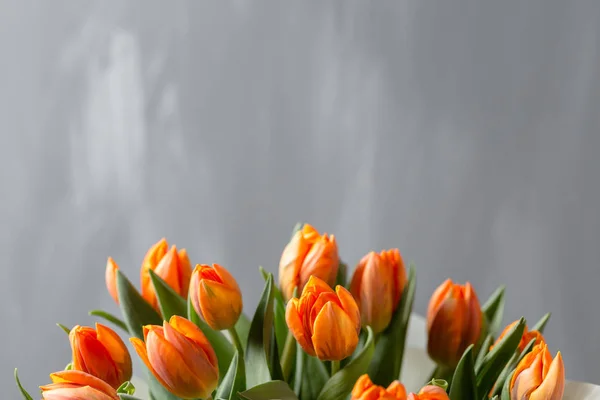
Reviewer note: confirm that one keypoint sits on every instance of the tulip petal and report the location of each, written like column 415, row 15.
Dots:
column 111, row 279
column 334, row 335
column 317, row 286
column 80, row 378
column 553, row 386
column 140, row 348
column 76, row 393
column 220, row 305
column 321, row 261
column 194, row 293
column 526, row 380
column 377, row 299
column 168, row 269
column 349, row 305
column 362, row 384
column 117, row 350
column 90, row 355
column 356, row 282
column 437, row 298
column 185, row 272
column 472, row 329
column 448, row 323
column 291, row 262
column 397, row 389
column 294, row 323
column 151, row 260
column 192, row 332
column 226, row 278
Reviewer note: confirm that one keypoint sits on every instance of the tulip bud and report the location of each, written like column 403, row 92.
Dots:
column 172, row 266
column 180, row 358
column 77, row 385
column 111, row 279
column 525, row 339
column 430, row 392
column 377, row 286
column 454, row 321
column 365, row 389
column 216, row 296
column 538, row 376
column 325, row 323
column 307, row 254
column 100, row 353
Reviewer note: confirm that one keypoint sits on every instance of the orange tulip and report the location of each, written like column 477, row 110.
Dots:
column 538, row 376
column 377, row 286
column 307, row 254
column 111, row 279
column 430, row 392
column 77, row 385
column 525, row 339
column 216, row 296
column 365, row 389
column 180, row 358
column 172, row 266
column 325, row 323
column 100, row 352
column 454, row 321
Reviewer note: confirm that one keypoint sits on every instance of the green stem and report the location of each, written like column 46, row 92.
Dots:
column 236, row 342
column 335, row 367
column 287, row 356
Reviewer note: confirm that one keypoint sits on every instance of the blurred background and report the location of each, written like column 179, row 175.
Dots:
column 466, row 133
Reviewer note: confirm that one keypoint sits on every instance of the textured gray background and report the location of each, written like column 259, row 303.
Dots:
column 464, row 132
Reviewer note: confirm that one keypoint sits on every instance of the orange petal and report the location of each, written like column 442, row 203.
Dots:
column 356, row 282
column 334, row 335
column 75, row 393
column 117, row 350
column 193, row 333
column 321, row 261
column 438, row 296
column 397, row 389
column 168, row 269
column 226, row 277
column 294, row 323
column 90, row 355
column 316, row 285
column 445, row 332
column 377, row 297
column 474, row 316
column 151, row 260
column 362, row 384
column 111, row 279
column 349, row 305
column 553, row 385
column 221, row 306
column 290, row 264
column 81, row 378
column 526, row 380
column 185, row 272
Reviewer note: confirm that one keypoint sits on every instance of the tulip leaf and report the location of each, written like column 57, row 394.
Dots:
column 493, row 309
column 342, row 274
column 222, row 346
column 514, row 361
column 135, row 309
column 258, row 349
column 498, row 357
column 339, row 386
column 463, row 381
column 268, row 391
column 280, row 326
column 311, row 375
column 506, row 387
column 158, row 391
column 110, row 318
column 234, row 380
column 483, row 350
column 64, row 328
column 242, row 327
column 24, row 393
column 169, row 301
column 541, row 324
column 387, row 360
column 126, row 388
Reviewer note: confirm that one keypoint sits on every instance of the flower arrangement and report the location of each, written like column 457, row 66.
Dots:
column 313, row 336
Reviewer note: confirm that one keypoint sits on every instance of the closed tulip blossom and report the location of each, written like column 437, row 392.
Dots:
column 180, row 358
column 538, row 376
column 454, row 321
column 525, row 339
column 307, row 254
column 110, row 276
column 77, row 385
column 171, row 265
column 325, row 323
column 377, row 285
column 216, row 296
column 429, row 392
column 100, row 352
column 365, row 389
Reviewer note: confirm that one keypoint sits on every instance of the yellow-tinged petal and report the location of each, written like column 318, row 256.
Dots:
column 294, row 322
column 334, row 335
column 80, row 378
column 111, row 279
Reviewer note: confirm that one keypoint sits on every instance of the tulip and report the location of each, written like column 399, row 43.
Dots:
column 171, row 265
column 216, row 296
column 365, row 389
column 377, row 286
column 538, row 376
column 111, row 279
column 307, row 254
column 430, row 392
column 525, row 339
column 325, row 323
column 454, row 322
column 100, row 352
column 180, row 358
column 77, row 385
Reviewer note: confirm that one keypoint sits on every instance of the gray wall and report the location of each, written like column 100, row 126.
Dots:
column 465, row 133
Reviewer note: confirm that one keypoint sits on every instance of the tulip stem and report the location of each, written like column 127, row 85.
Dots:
column 236, row 341
column 335, row 367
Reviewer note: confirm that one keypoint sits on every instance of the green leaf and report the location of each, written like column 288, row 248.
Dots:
column 498, row 357
column 169, row 301
column 506, row 387
column 463, row 382
column 135, row 309
column 234, row 381
column 221, row 345
column 511, row 365
column 110, row 318
column 387, row 360
column 484, row 349
column 126, row 388
column 158, row 391
column 493, row 309
column 342, row 274
column 280, row 325
column 64, row 328
column 69, row 367
column 311, row 375
column 268, row 391
column 242, row 327
column 541, row 324
column 24, row 393
column 259, row 339
column 339, row 386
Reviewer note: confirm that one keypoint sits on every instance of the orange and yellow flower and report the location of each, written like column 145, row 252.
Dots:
column 180, row 358
column 525, row 339
column 365, row 389
column 325, row 323
column 171, row 265
column 538, row 376
column 101, row 353
column 307, row 254
column 454, row 321
column 77, row 385
column 377, row 286
column 216, row 296
column 429, row 392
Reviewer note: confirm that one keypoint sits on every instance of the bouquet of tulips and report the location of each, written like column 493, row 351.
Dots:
column 314, row 336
